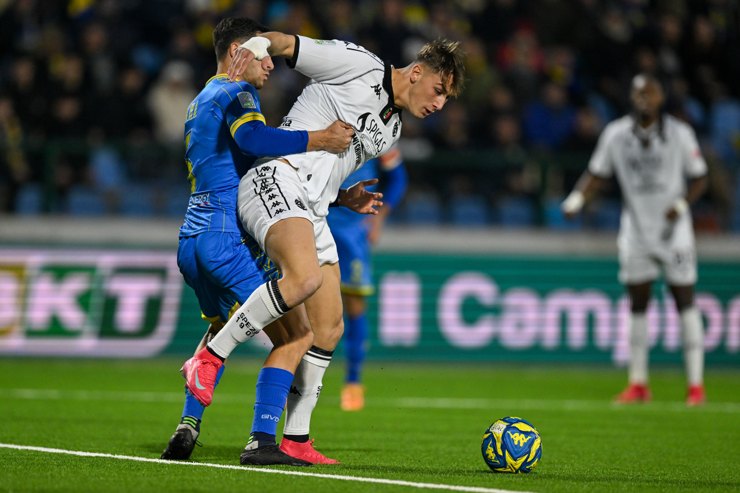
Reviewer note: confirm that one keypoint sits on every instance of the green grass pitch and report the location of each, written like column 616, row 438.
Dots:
column 422, row 426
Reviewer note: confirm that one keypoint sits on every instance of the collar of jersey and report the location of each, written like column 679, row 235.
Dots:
column 217, row 76
column 388, row 86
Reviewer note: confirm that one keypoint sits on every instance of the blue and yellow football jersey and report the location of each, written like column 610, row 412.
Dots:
column 215, row 161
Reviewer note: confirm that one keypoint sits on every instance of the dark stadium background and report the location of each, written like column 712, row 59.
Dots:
column 477, row 260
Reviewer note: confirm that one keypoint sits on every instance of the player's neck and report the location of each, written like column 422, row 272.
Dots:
column 401, row 85
column 646, row 121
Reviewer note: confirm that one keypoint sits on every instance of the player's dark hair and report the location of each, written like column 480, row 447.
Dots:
column 446, row 58
column 232, row 29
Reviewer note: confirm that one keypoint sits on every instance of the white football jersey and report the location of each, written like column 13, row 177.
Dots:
column 651, row 166
column 351, row 84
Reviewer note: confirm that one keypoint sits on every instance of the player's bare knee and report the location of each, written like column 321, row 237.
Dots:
column 333, row 335
column 298, row 286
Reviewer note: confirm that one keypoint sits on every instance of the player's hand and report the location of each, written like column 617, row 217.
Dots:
column 254, row 48
column 678, row 208
column 359, row 199
column 573, row 204
column 336, row 138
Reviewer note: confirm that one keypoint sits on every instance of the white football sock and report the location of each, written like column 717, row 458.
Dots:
column 692, row 335
column 263, row 307
column 638, row 365
column 304, row 395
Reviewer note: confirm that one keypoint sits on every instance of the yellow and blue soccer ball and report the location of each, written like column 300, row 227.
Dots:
column 511, row 445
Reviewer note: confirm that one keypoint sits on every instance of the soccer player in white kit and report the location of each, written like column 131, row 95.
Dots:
column 652, row 155
column 283, row 203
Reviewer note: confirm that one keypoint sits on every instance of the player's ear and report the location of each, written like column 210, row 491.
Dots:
column 416, row 72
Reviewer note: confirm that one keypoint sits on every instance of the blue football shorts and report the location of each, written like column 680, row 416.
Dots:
column 223, row 269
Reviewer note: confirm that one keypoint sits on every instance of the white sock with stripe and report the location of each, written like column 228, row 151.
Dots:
column 264, row 306
column 692, row 338
column 638, row 365
column 304, row 394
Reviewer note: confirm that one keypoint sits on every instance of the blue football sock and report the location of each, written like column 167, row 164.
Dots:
column 355, row 339
column 193, row 410
column 273, row 385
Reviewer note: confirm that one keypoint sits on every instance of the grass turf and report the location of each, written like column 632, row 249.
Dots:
column 422, row 423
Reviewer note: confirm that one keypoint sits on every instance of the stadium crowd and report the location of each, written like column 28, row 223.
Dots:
column 93, row 94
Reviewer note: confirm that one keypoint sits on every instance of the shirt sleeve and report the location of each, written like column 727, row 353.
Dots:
column 694, row 165
column 601, row 163
column 241, row 105
column 249, row 130
column 335, row 60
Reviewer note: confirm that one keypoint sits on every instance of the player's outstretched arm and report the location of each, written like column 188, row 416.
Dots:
column 588, row 185
column 335, row 138
column 271, row 43
column 359, row 199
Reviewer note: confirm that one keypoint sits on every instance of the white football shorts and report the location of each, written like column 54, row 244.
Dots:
column 273, row 191
column 674, row 255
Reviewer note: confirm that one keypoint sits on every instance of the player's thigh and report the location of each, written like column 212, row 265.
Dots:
column 268, row 194
column 324, row 309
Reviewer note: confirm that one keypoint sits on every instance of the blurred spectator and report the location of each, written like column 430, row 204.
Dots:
column 549, row 121
column 542, row 75
column 168, row 101
column 25, row 90
column 14, row 169
column 521, row 61
column 388, row 34
column 724, row 124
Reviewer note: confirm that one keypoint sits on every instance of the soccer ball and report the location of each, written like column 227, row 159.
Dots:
column 511, row 445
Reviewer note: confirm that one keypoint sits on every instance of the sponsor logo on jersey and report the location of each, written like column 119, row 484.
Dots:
column 327, row 42
column 370, row 127
column 300, row 205
column 246, row 100
column 376, row 90
column 357, row 147
column 386, row 114
column 396, row 126
column 192, row 111
column 199, row 199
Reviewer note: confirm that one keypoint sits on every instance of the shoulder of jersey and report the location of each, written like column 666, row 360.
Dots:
column 621, row 124
column 679, row 124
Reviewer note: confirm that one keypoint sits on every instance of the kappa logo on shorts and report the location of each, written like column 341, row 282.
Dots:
column 300, row 204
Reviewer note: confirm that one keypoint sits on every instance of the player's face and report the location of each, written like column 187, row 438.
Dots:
column 428, row 93
column 647, row 97
column 258, row 71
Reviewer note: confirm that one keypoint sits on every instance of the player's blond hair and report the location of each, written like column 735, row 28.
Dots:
column 447, row 59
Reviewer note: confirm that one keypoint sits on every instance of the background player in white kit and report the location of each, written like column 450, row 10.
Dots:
column 652, row 156
column 283, row 202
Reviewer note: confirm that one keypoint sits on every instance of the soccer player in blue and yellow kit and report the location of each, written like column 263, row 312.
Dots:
column 225, row 133
column 354, row 235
